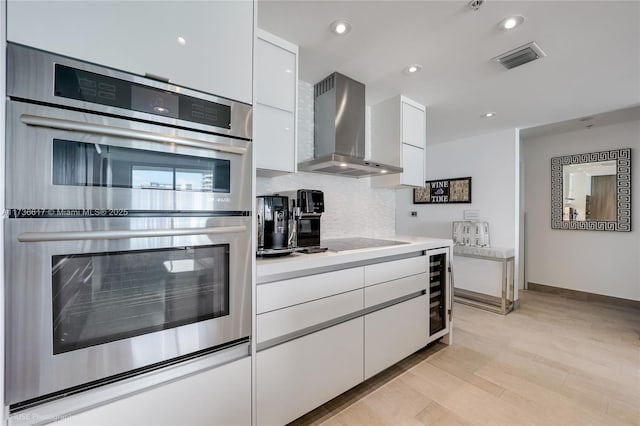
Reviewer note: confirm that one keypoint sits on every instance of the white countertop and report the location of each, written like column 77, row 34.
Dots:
column 296, row 264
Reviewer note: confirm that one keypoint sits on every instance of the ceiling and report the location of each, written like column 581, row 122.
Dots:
column 592, row 63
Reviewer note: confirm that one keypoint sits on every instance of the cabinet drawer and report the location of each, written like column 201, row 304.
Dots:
column 380, row 293
column 394, row 333
column 284, row 321
column 193, row 394
column 285, row 293
column 387, row 271
column 298, row 376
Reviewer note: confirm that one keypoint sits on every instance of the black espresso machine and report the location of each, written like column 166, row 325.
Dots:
column 289, row 221
column 273, row 225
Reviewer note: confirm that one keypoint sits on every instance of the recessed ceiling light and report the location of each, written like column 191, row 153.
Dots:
column 343, row 164
column 511, row 22
column 383, row 171
column 489, row 115
column 182, row 41
column 412, row 69
column 340, row 27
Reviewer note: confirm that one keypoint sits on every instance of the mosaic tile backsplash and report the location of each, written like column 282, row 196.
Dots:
column 352, row 207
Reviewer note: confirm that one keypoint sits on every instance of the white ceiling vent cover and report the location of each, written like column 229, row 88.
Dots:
column 520, row 55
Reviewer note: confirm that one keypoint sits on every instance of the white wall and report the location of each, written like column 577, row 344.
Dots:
column 352, row 207
column 491, row 162
column 606, row 263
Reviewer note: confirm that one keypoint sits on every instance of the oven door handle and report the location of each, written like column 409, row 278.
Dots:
column 42, row 237
column 101, row 129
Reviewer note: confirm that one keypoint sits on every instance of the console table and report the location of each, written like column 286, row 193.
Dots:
column 502, row 305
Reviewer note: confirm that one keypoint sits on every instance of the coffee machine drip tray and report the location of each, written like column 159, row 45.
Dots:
column 311, row 250
column 346, row 244
column 275, row 252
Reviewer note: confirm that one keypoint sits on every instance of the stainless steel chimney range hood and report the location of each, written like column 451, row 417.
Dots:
column 339, row 126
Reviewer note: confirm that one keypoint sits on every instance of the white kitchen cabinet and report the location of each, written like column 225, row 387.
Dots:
column 285, row 293
column 398, row 137
column 393, row 333
column 275, row 127
column 274, row 324
column 214, row 54
column 413, row 160
column 220, row 396
column 274, row 140
column 295, row 377
column 414, row 123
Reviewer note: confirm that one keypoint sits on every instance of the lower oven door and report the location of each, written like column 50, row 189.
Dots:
column 90, row 299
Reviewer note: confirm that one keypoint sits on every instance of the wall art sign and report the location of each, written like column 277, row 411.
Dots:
column 444, row 191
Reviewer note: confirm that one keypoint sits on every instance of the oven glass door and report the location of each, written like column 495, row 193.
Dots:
column 100, row 297
column 86, row 161
column 98, row 165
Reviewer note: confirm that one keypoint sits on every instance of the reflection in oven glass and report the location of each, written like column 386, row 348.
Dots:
column 103, row 297
column 86, row 164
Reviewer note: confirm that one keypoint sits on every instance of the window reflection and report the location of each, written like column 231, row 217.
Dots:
column 84, row 164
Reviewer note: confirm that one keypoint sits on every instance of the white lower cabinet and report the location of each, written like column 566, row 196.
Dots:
column 295, row 377
column 220, row 396
column 393, row 333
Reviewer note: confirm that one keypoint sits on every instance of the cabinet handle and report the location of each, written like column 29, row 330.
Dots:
column 101, row 129
column 41, row 237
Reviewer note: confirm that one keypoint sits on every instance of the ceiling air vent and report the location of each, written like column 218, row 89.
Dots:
column 520, row 56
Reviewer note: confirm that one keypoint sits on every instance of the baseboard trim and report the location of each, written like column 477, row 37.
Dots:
column 583, row 295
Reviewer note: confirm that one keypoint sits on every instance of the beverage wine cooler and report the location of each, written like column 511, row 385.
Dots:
column 439, row 297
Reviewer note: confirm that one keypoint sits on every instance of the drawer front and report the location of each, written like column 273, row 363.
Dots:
column 394, row 333
column 298, row 376
column 285, row 293
column 380, row 293
column 284, row 321
column 387, row 271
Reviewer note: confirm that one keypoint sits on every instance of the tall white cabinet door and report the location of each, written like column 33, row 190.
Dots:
column 220, row 396
column 274, row 137
column 214, row 54
column 276, row 81
column 393, row 333
column 414, row 126
column 275, row 75
column 413, row 164
column 298, row 376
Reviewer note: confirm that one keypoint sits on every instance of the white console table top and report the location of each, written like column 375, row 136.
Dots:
column 494, row 252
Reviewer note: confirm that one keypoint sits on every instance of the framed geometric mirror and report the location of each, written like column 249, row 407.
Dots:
column 592, row 192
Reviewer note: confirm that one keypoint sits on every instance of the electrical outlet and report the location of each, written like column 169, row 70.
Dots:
column 471, row 214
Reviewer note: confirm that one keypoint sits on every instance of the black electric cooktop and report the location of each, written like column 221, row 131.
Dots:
column 345, row 244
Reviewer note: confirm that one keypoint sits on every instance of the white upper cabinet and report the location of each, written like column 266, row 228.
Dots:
column 275, row 124
column 203, row 45
column 414, row 124
column 399, row 138
column 275, row 72
column 413, row 160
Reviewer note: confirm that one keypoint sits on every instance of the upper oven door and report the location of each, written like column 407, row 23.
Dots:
column 87, row 299
column 62, row 159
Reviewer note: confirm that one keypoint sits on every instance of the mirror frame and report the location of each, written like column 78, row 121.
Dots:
column 623, row 191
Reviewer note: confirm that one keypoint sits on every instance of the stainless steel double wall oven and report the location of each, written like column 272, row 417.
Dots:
column 128, row 241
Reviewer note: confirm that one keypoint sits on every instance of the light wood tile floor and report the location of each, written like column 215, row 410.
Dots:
column 554, row 361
